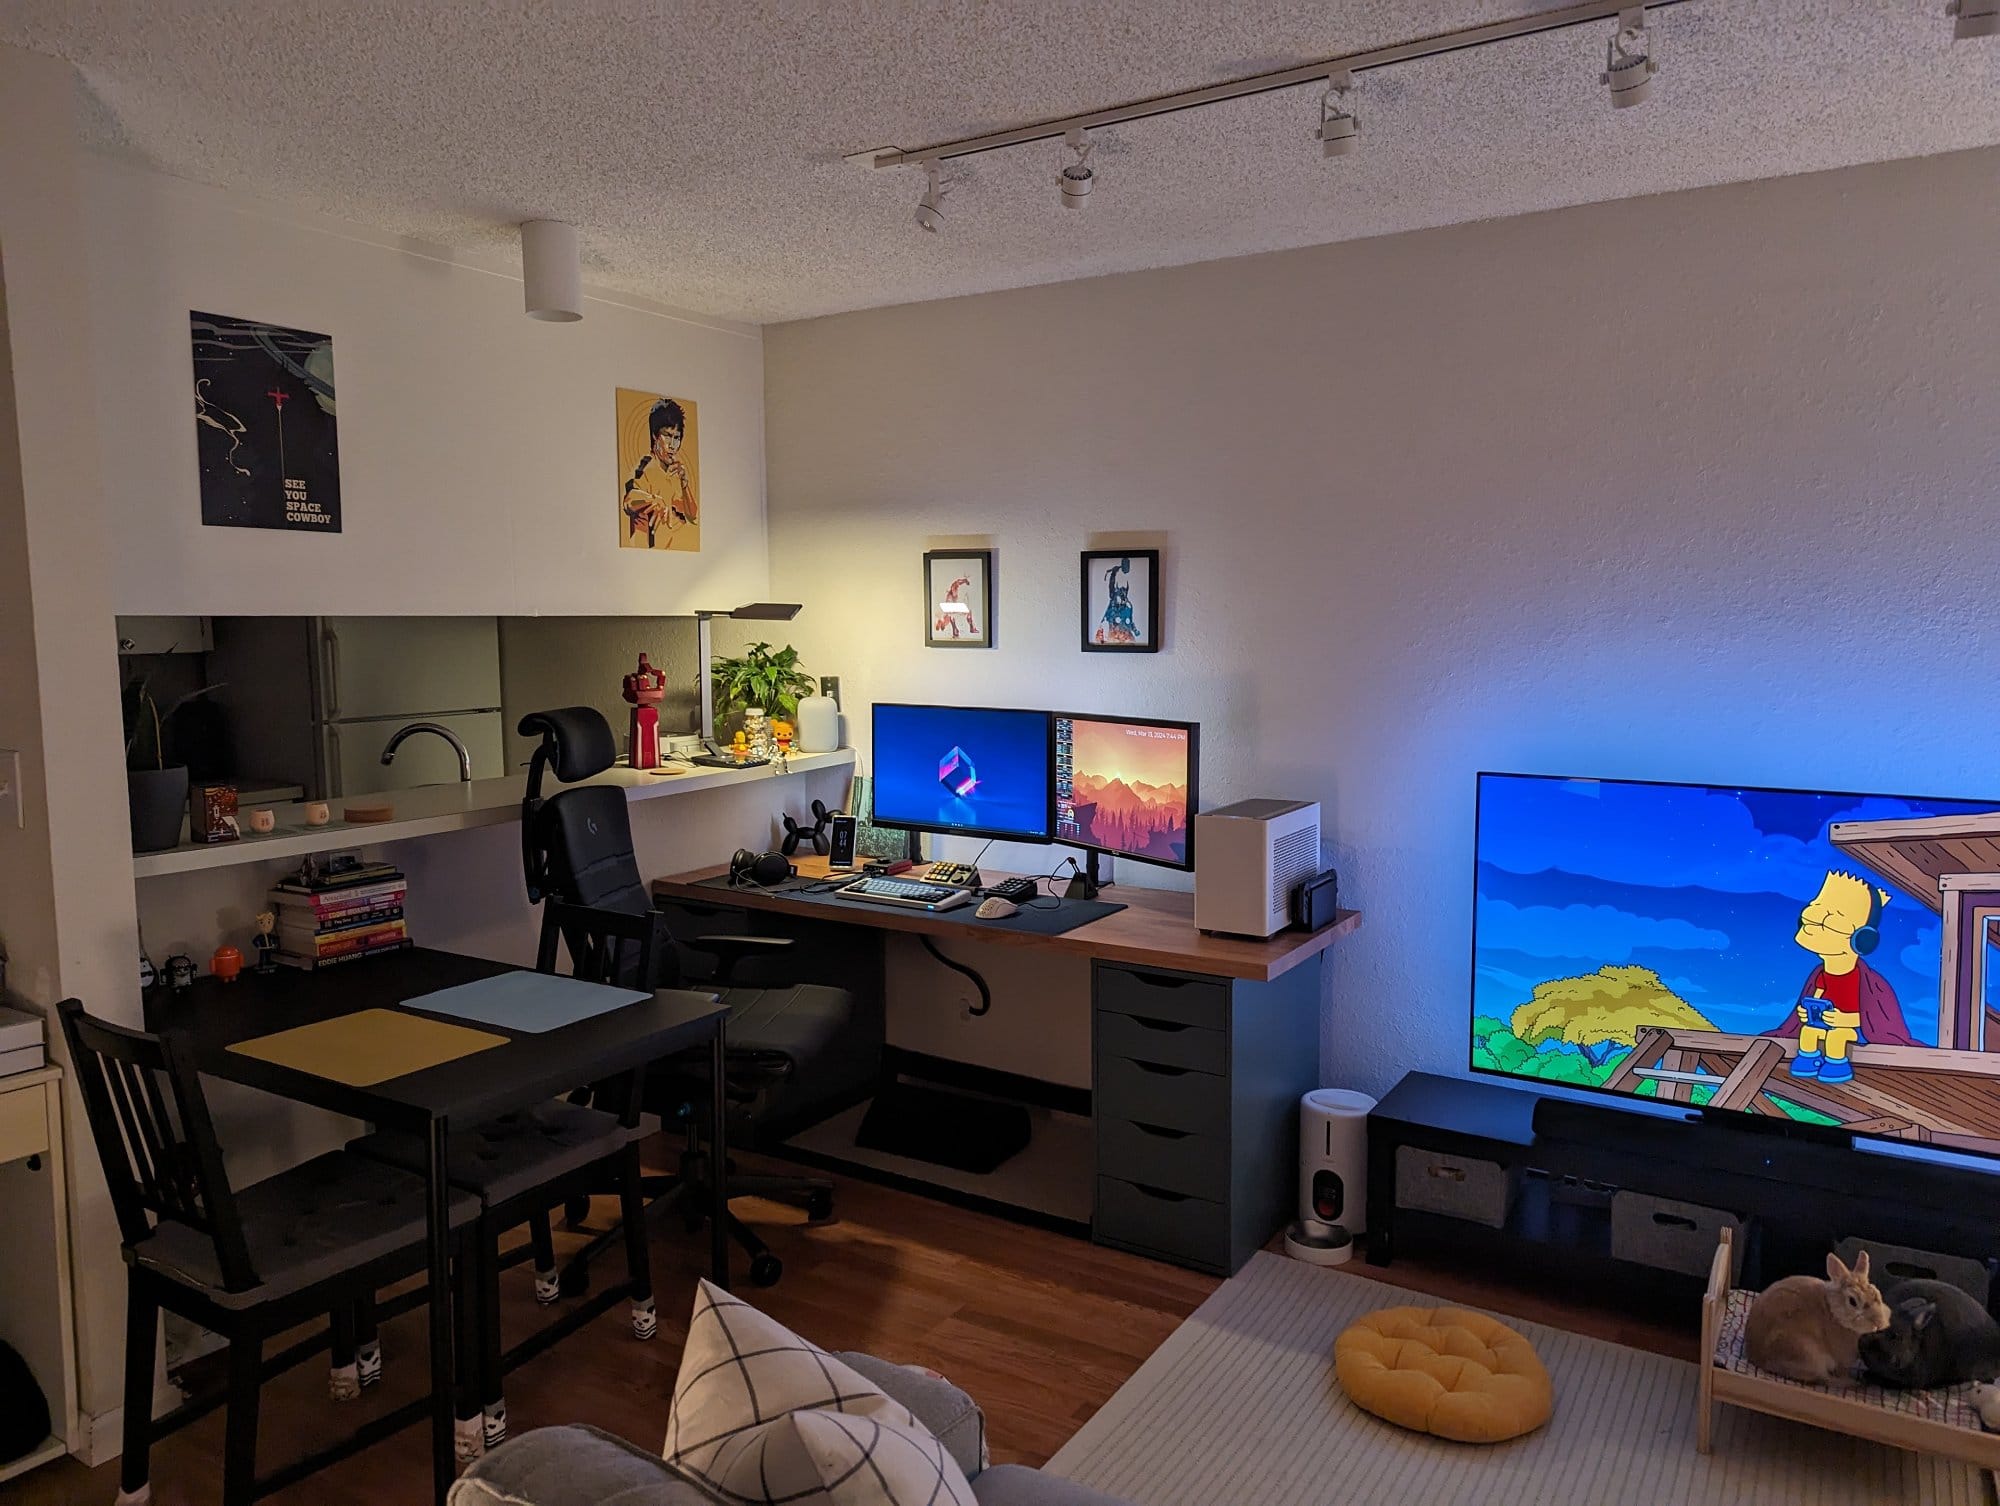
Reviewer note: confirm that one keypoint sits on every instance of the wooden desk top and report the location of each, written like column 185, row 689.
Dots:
column 1156, row 929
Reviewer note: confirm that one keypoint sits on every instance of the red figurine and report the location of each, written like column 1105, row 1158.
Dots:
column 645, row 688
column 226, row 963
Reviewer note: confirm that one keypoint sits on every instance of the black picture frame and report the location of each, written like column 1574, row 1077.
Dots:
column 1142, row 566
column 941, row 630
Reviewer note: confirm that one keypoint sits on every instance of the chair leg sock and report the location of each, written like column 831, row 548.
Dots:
column 645, row 1319
column 468, row 1440
column 495, row 1421
column 140, row 1497
column 343, row 1382
column 368, row 1362
column 548, row 1286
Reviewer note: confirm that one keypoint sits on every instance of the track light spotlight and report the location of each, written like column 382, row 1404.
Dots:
column 1976, row 18
column 1076, row 179
column 1339, row 127
column 930, row 208
column 1628, row 59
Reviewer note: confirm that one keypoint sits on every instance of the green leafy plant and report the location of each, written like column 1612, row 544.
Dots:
column 760, row 677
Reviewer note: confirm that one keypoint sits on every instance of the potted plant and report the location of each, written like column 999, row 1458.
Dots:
column 155, row 789
column 760, row 677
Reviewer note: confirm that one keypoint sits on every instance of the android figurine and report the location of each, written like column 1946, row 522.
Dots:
column 265, row 942
column 645, row 688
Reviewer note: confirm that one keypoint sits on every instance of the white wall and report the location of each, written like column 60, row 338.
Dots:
column 1699, row 486
column 478, row 459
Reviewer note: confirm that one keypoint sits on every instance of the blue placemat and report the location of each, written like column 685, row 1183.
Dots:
column 525, row 1003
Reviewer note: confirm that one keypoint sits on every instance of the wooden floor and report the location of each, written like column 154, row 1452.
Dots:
column 1041, row 1328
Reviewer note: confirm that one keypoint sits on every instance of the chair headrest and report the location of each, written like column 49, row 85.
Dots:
column 580, row 737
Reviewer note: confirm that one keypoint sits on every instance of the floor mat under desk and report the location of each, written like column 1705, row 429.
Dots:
column 1036, row 918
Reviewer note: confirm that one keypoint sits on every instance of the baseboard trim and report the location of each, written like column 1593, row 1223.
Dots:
column 104, row 1432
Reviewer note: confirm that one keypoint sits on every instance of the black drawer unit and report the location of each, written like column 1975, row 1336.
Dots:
column 1196, row 1082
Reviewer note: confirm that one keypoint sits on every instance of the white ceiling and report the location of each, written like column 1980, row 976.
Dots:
column 698, row 145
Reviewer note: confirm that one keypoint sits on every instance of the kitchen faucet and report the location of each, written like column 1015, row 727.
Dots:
column 457, row 745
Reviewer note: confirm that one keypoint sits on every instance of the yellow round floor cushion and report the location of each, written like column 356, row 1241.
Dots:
column 1445, row 1371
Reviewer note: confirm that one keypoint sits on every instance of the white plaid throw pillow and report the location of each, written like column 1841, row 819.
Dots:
column 762, row 1416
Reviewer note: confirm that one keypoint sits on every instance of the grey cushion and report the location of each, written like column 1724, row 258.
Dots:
column 835, row 1054
column 334, row 1213
column 952, row 1417
column 514, row 1154
column 574, row 1466
column 1012, row 1485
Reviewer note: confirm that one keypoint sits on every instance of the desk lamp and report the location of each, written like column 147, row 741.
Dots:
column 756, row 611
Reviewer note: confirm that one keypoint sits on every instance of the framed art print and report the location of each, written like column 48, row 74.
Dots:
column 958, row 598
column 659, row 472
column 1121, row 601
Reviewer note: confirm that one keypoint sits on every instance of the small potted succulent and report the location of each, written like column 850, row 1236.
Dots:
column 155, row 789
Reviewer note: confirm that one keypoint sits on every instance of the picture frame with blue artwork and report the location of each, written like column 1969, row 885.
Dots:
column 1121, row 601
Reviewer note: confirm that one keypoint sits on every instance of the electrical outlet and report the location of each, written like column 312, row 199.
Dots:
column 829, row 686
column 10, row 786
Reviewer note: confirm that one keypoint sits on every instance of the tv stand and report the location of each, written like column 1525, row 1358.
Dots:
column 1564, row 1179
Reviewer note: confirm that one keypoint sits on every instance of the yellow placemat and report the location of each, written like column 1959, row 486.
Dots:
column 368, row 1046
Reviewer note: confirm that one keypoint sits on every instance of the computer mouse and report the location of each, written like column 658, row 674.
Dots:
column 993, row 907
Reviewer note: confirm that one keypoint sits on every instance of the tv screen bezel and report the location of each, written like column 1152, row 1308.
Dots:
column 1740, row 1119
column 939, row 828
column 1193, row 730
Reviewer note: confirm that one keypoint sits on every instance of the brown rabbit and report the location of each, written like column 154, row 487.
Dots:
column 1810, row 1330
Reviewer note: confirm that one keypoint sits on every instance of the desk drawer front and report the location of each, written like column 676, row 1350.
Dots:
column 1168, row 1096
column 1164, row 996
column 1157, row 1156
column 1164, row 1043
column 1168, row 1223
column 24, row 1125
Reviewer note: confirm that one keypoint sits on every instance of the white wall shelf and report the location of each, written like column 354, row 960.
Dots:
column 437, row 808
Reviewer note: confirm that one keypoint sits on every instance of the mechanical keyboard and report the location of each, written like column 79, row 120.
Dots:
column 911, row 892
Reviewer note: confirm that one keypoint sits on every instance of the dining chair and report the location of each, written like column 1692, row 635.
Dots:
column 520, row 1166
column 247, row 1263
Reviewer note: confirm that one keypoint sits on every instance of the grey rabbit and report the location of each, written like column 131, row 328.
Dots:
column 1937, row 1336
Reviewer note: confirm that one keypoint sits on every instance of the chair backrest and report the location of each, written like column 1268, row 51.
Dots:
column 607, row 946
column 158, row 1149
column 576, row 845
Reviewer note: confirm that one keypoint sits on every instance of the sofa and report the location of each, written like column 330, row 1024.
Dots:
column 582, row 1466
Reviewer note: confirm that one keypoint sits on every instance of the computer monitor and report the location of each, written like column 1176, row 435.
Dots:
column 963, row 770
column 1127, row 786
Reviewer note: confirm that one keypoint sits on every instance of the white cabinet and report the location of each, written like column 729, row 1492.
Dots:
column 35, row 1311
column 165, row 635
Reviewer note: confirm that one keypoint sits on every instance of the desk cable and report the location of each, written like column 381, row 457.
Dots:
column 985, row 994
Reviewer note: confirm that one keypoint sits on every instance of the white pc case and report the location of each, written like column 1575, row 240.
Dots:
column 1249, row 857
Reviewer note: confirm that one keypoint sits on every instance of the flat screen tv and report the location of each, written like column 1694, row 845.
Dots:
column 1808, row 957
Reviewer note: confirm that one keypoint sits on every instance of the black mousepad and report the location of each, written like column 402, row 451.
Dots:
column 1046, row 916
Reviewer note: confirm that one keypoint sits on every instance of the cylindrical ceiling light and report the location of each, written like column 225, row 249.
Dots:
column 1076, row 179
column 1339, row 128
column 551, row 271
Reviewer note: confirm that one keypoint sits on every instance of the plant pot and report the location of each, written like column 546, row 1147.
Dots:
column 158, row 800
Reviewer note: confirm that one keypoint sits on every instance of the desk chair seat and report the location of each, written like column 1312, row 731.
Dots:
column 304, row 1226
column 816, row 1031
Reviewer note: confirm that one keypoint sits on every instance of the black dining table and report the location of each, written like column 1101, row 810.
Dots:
column 531, row 1067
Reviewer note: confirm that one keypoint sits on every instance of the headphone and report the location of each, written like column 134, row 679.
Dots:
column 758, row 870
column 1868, row 935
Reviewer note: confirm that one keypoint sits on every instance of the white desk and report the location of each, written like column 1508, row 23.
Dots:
column 35, row 1307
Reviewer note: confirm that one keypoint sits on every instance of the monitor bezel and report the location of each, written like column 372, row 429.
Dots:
column 1193, row 730
column 1734, row 1118
column 938, row 828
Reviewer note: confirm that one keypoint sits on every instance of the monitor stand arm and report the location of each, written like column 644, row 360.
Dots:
column 1094, row 875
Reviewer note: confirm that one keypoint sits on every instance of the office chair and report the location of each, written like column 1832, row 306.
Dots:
column 797, row 1051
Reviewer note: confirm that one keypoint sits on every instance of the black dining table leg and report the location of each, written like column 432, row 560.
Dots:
column 718, row 1140
column 437, row 1193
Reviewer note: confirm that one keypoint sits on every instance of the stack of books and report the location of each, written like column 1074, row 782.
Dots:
column 341, row 916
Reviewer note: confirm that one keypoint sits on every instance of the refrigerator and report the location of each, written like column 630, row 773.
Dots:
column 373, row 675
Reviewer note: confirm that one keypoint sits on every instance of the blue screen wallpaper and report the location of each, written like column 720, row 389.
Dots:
column 967, row 769
column 1700, row 944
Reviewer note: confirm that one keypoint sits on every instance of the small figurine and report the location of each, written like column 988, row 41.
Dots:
column 226, row 963
column 797, row 832
column 645, row 688
column 180, row 972
column 265, row 942
column 148, row 974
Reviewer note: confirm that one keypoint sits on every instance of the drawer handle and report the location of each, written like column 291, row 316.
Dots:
column 1159, row 980
column 1165, row 1027
column 1160, row 1130
column 1446, row 1173
column 1160, row 1194
column 1159, row 1070
column 1674, row 1221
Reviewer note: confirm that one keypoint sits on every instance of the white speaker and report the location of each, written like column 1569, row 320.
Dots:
column 1333, row 1157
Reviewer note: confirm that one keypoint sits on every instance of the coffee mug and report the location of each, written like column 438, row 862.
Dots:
column 318, row 813
column 263, row 821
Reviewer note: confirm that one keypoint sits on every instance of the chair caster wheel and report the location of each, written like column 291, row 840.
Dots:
column 575, row 1279
column 765, row 1269
column 819, row 1207
column 576, row 1212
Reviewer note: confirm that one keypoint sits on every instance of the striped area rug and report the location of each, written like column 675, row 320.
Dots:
column 1240, row 1406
